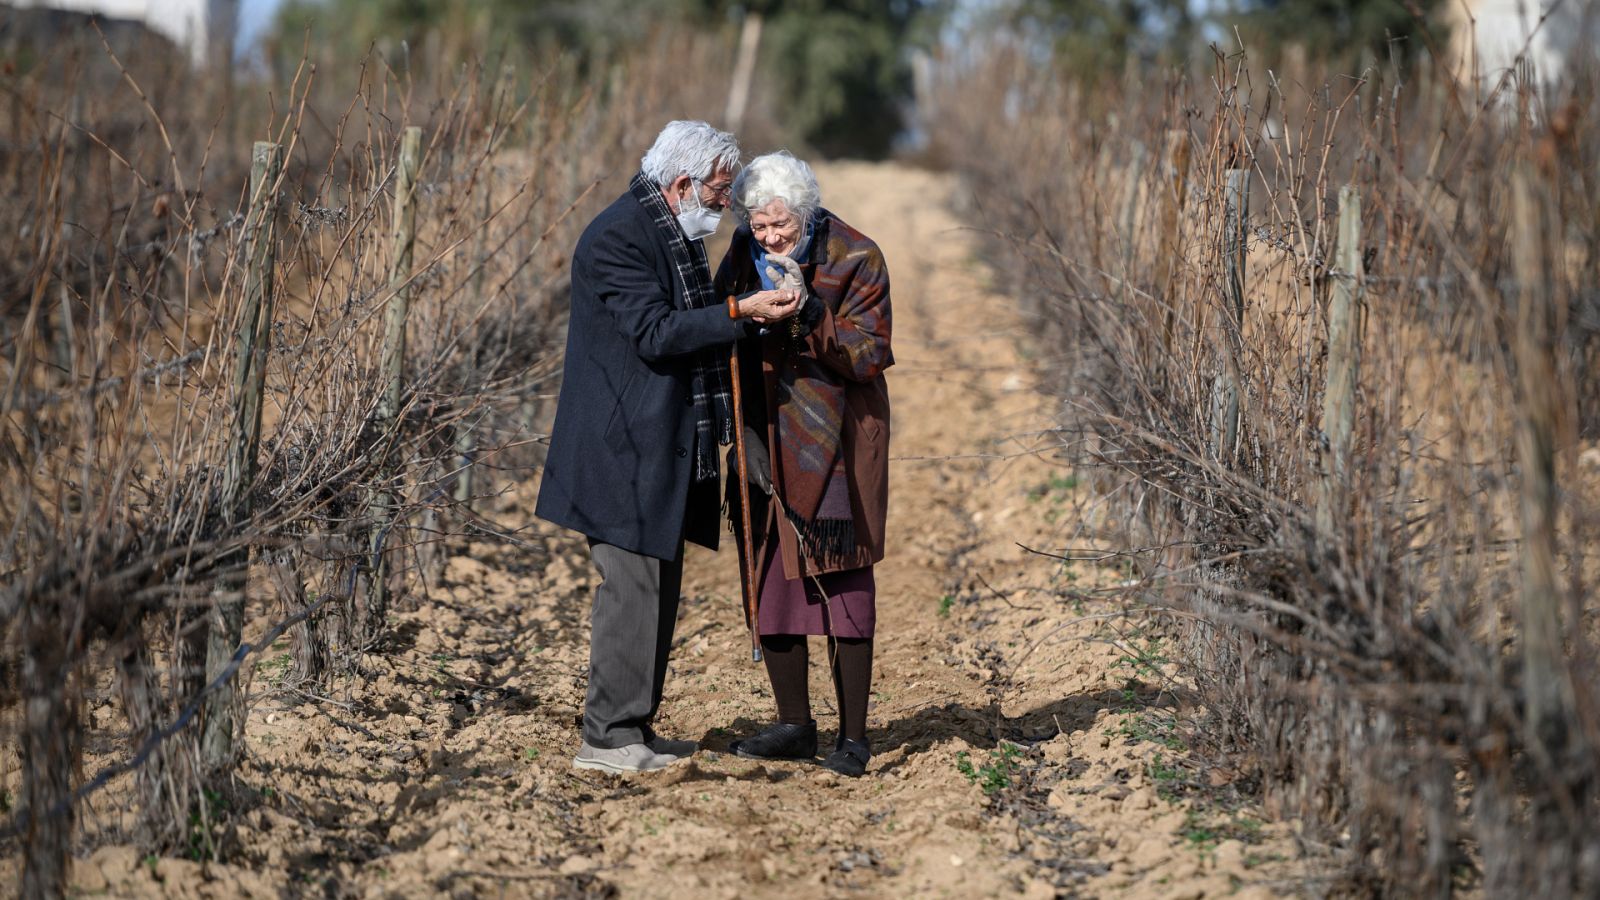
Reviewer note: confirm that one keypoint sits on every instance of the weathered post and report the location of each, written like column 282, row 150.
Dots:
column 76, row 157
column 1172, row 200
column 251, row 343
column 1344, row 359
column 391, row 368
column 743, row 69
column 1539, row 412
column 1225, row 390
column 1129, row 215
column 48, row 748
column 392, row 362
column 466, row 441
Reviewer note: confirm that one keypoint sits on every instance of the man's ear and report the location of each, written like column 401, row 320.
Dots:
column 677, row 189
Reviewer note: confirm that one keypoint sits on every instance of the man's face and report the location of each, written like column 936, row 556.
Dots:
column 714, row 193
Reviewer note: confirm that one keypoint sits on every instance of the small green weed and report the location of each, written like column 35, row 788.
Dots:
column 530, row 753
column 1141, row 728
column 995, row 775
column 1130, row 698
column 1056, row 489
column 945, row 602
column 1168, row 779
column 201, row 847
column 276, row 667
column 1199, row 835
column 1146, row 661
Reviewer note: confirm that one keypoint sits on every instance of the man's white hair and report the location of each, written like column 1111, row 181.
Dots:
column 777, row 176
column 691, row 148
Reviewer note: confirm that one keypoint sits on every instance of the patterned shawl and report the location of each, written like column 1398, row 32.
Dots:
column 850, row 278
column 713, row 398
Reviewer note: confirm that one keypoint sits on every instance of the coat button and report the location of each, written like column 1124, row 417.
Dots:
column 682, row 452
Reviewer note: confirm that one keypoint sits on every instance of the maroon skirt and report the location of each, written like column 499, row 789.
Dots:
column 846, row 605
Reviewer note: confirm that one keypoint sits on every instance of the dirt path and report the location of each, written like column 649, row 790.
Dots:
column 449, row 771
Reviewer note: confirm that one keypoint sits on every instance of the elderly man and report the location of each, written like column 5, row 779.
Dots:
column 645, row 402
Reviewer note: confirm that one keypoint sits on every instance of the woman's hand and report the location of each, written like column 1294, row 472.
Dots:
column 770, row 306
column 785, row 273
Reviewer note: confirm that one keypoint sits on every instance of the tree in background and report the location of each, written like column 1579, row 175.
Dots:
column 835, row 73
column 1344, row 30
column 511, row 29
column 838, row 71
column 1092, row 39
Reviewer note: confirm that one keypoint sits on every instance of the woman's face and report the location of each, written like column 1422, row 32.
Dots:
column 775, row 228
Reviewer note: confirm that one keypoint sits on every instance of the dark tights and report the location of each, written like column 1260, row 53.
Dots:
column 788, row 658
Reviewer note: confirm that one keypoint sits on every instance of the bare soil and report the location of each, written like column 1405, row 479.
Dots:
column 1030, row 737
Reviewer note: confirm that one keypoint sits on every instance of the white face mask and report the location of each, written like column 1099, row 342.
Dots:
column 699, row 221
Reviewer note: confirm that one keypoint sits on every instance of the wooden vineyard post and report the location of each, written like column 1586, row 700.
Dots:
column 466, row 437
column 391, row 368
column 1128, row 216
column 1539, row 409
column 1171, row 250
column 1344, row 360
column 1225, row 391
column 465, row 446
column 48, row 746
column 251, row 343
column 743, row 69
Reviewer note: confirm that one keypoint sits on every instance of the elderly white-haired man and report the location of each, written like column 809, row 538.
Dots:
column 644, row 405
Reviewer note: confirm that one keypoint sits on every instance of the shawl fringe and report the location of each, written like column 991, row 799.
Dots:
column 827, row 541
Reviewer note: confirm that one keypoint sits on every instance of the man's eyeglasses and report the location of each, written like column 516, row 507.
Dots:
column 723, row 192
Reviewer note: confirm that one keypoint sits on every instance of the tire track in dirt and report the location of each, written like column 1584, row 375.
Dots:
column 448, row 770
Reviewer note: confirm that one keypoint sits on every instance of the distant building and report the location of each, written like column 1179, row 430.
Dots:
column 1497, row 32
column 203, row 27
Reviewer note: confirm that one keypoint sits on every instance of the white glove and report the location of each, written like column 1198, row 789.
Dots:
column 785, row 273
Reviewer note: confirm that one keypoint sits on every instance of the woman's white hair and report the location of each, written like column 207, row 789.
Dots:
column 777, row 176
column 691, row 148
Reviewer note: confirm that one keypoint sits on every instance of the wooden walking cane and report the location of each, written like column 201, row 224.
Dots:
column 747, row 542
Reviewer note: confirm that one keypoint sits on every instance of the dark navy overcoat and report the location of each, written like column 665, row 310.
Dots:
column 621, row 462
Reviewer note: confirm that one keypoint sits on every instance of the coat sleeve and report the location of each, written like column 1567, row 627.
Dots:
column 631, row 290
column 854, row 340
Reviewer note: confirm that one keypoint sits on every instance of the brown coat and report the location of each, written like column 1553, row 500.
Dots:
column 847, row 273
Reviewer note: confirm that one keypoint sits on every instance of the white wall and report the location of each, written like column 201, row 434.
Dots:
column 197, row 25
column 1501, row 29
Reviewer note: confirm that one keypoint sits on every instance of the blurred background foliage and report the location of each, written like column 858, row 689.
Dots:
column 836, row 71
column 835, row 76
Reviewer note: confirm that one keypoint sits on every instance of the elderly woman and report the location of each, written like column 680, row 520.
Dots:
column 816, row 411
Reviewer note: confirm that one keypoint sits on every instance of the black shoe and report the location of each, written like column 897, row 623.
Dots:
column 779, row 741
column 849, row 758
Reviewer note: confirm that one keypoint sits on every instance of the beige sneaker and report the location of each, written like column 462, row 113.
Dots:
column 622, row 760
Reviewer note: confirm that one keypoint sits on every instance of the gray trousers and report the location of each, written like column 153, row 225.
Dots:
column 635, row 612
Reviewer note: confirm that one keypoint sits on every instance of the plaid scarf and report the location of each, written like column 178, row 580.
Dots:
column 713, row 398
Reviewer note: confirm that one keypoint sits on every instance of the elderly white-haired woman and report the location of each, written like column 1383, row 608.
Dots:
column 816, row 409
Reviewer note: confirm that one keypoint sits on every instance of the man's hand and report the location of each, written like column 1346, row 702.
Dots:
column 758, row 467
column 771, row 306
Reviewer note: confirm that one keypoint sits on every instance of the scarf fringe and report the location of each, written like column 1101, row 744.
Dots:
column 827, row 541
